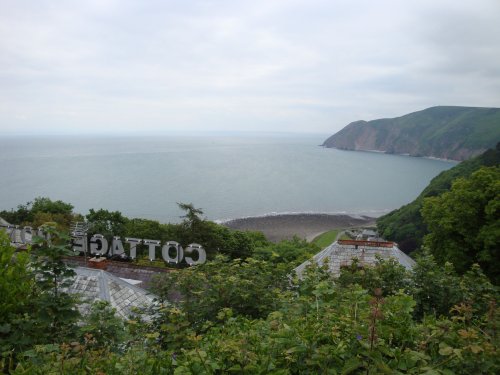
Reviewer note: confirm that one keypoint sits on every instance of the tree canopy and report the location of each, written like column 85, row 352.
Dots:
column 464, row 223
column 244, row 311
column 40, row 211
column 406, row 225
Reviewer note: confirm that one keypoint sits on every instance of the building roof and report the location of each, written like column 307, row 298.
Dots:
column 14, row 233
column 94, row 284
column 369, row 233
column 341, row 253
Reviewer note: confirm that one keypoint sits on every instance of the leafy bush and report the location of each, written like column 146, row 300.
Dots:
column 229, row 321
column 41, row 211
column 464, row 225
column 249, row 288
column 250, row 315
column 406, row 225
column 293, row 252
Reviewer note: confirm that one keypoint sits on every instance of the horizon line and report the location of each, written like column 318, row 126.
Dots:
column 127, row 134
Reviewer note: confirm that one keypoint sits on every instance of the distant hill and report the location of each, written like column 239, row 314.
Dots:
column 456, row 133
column 405, row 225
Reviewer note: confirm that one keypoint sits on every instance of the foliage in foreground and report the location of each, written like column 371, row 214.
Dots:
column 464, row 223
column 248, row 317
column 406, row 224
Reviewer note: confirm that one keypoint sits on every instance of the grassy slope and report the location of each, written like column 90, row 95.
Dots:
column 477, row 127
column 437, row 131
column 326, row 239
column 405, row 225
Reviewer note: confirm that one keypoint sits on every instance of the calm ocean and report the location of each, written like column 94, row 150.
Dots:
column 226, row 176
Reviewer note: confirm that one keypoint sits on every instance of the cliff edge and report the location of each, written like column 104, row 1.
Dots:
column 456, row 133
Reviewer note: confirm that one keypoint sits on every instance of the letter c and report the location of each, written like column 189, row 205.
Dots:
column 202, row 255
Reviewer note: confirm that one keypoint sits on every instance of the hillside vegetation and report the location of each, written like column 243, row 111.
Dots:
column 456, row 133
column 244, row 312
column 249, row 317
column 406, row 225
column 464, row 223
column 215, row 238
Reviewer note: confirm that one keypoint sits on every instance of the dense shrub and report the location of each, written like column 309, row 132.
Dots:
column 315, row 326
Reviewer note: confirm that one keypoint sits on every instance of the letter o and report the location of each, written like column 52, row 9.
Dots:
column 179, row 252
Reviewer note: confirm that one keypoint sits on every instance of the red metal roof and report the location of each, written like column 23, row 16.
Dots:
column 366, row 243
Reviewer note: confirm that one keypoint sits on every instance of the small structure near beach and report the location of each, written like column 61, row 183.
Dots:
column 342, row 252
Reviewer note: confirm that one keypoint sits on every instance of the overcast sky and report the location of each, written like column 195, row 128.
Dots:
column 286, row 66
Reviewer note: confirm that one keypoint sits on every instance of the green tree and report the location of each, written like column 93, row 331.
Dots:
column 435, row 288
column 193, row 228
column 313, row 326
column 215, row 238
column 192, row 216
column 248, row 287
column 150, row 229
column 35, row 308
column 388, row 275
column 15, row 280
column 102, row 328
column 45, row 210
column 56, row 313
column 464, row 223
column 294, row 251
column 44, row 204
column 20, row 216
column 107, row 223
column 41, row 211
column 16, row 284
column 406, row 225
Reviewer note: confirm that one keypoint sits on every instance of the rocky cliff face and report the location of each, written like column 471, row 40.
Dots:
column 456, row 133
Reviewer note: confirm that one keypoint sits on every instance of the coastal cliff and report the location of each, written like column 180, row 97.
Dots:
column 456, row 133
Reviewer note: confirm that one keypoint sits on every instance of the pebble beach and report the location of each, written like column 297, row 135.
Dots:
column 306, row 226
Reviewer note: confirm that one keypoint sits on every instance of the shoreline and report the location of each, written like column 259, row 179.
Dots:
column 303, row 225
column 390, row 153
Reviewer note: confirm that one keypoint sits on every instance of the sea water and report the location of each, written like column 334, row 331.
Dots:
column 226, row 176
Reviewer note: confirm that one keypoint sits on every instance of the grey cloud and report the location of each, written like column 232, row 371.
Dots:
column 248, row 65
